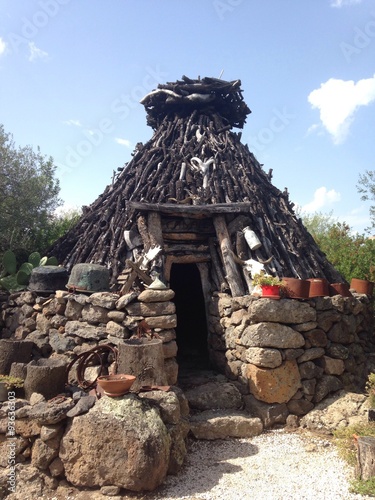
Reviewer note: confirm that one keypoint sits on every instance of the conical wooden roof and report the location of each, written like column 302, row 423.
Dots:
column 195, row 159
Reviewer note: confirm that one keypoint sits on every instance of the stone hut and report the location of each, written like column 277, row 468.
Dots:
column 190, row 191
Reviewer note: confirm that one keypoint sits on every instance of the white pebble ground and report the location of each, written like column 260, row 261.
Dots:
column 275, row 465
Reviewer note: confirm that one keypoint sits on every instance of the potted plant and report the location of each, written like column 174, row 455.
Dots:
column 269, row 284
column 9, row 383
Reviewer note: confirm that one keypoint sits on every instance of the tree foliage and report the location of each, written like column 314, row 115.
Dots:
column 366, row 187
column 353, row 255
column 28, row 195
column 56, row 226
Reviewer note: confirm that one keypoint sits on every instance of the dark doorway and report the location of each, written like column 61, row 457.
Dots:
column 191, row 317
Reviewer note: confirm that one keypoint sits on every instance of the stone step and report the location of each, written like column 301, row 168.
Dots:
column 222, row 424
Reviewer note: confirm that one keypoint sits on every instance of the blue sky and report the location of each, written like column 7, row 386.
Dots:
column 72, row 74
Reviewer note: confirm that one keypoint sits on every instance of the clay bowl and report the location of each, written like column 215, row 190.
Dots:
column 115, row 385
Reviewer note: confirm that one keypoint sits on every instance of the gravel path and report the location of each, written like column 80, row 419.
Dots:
column 275, row 465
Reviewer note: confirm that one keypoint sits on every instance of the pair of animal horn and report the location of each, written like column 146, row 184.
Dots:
column 244, row 262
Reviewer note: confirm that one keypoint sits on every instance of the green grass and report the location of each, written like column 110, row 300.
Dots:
column 345, row 441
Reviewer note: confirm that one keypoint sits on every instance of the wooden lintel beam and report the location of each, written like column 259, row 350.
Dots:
column 191, row 210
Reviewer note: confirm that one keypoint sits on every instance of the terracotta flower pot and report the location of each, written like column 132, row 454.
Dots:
column 339, row 289
column 270, row 291
column 115, row 385
column 362, row 286
column 296, row 288
column 318, row 287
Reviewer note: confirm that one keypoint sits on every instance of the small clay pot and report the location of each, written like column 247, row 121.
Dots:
column 318, row 287
column 116, row 385
column 296, row 288
column 362, row 286
column 339, row 289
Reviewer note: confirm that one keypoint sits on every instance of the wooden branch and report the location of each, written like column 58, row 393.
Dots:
column 143, row 231
column 232, row 275
column 217, row 267
column 154, row 229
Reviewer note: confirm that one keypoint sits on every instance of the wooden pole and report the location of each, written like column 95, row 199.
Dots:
column 232, row 275
column 366, row 457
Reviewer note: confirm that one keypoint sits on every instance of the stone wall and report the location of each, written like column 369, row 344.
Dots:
column 67, row 324
column 290, row 352
column 131, row 442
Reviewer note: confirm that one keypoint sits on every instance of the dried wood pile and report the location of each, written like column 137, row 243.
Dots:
column 192, row 188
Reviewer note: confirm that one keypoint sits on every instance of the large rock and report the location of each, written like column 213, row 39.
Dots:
column 300, row 406
column 270, row 414
column 214, row 395
column 327, row 384
column 151, row 309
column 340, row 410
column 310, row 370
column 73, row 310
column 333, row 366
column 166, row 321
column 103, row 299
column 316, row 337
column 45, row 413
column 276, row 385
column 271, row 335
column 121, row 442
column 281, row 311
column 340, row 333
column 85, row 331
column 156, row 295
column 60, row 343
column 94, row 314
column 221, row 424
column 115, row 330
column 265, row 358
column 167, row 403
column 310, row 354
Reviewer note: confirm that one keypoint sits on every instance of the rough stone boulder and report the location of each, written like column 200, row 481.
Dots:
column 271, row 335
column 340, row 410
column 283, row 311
column 121, row 442
column 277, row 385
column 221, row 424
column 214, row 395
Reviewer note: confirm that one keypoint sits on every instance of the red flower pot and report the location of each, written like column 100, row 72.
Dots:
column 270, row 291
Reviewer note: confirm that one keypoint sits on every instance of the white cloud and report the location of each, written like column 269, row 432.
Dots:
column 341, row 3
column 3, row 46
column 123, row 142
column 74, row 123
column 338, row 100
column 322, row 198
column 36, row 53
